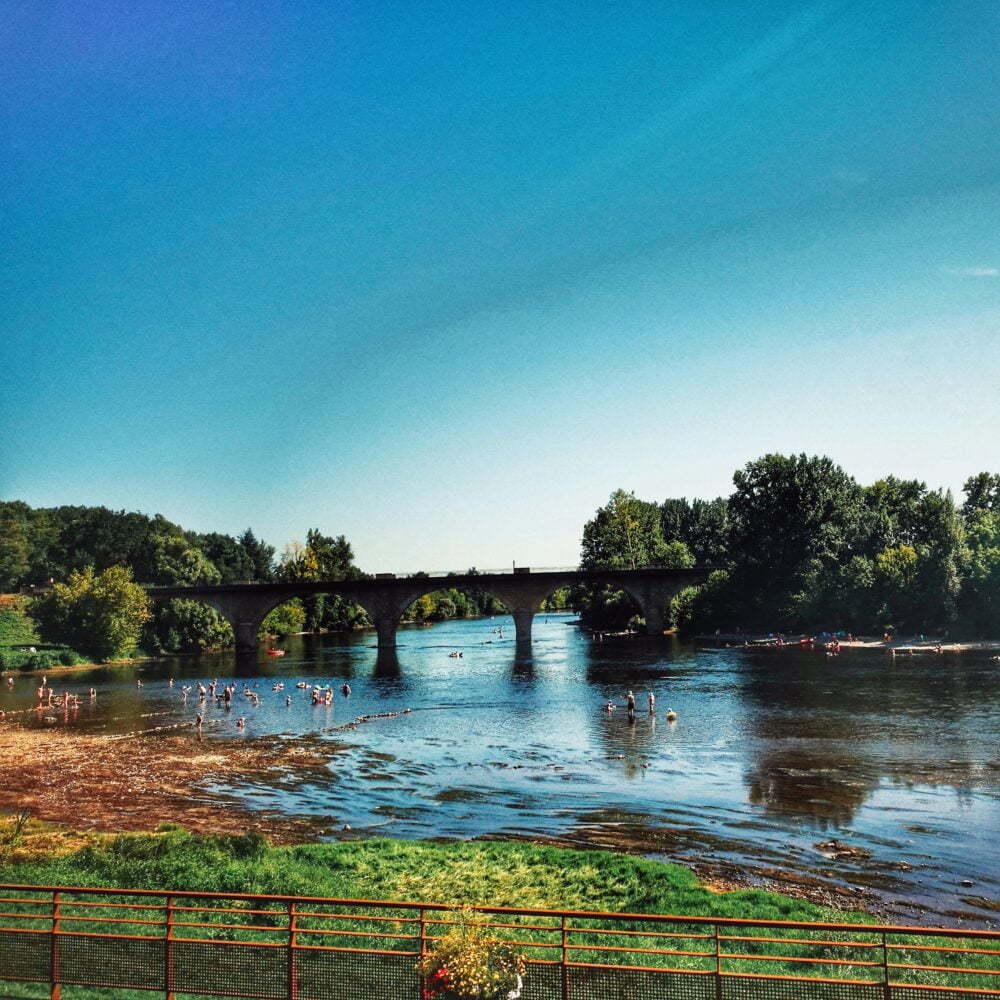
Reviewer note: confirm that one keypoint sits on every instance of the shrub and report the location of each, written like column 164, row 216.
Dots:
column 40, row 659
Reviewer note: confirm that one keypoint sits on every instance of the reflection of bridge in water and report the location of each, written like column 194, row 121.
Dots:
column 386, row 596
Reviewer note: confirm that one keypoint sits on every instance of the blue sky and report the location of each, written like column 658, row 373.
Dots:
column 441, row 277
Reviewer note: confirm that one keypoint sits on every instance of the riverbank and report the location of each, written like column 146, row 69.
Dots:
column 497, row 874
column 899, row 645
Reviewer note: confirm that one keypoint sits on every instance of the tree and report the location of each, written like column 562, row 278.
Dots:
column 175, row 562
column 260, row 555
column 323, row 557
column 285, row 619
column 15, row 554
column 232, row 560
column 982, row 493
column 99, row 614
column 789, row 517
column 626, row 533
column 182, row 626
column 979, row 599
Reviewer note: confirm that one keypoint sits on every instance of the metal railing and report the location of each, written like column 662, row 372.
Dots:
column 299, row 948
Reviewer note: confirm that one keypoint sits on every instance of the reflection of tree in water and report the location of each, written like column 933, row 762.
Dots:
column 824, row 732
column 634, row 661
column 800, row 782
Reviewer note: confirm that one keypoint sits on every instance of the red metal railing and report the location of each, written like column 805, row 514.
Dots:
column 299, row 948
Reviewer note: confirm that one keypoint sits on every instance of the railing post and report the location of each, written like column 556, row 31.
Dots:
column 293, row 976
column 718, row 964
column 168, row 958
column 422, row 981
column 56, row 988
column 564, row 957
column 886, row 988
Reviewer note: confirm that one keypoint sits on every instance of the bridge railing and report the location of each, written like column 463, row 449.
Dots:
column 241, row 945
column 505, row 571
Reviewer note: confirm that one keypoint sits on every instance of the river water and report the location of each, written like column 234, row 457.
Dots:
column 773, row 755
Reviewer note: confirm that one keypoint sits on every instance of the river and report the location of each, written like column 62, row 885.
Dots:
column 773, row 754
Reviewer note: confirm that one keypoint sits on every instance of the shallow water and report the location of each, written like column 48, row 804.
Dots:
column 772, row 753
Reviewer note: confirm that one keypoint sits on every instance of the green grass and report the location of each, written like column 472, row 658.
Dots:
column 499, row 874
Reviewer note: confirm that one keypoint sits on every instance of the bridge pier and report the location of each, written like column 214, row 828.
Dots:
column 653, row 596
column 523, row 617
column 655, row 619
column 246, row 634
column 386, row 626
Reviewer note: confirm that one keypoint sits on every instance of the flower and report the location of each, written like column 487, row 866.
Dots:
column 470, row 962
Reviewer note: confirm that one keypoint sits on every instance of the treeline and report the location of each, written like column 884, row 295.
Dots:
column 800, row 545
column 44, row 545
column 94, row 552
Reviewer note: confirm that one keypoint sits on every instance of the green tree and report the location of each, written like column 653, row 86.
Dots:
column 99, row 614
column 15, row 554
column 175, row 562
column 182, row 626
column 982, row 493
column 702, row 525
column 232, row 560
column 790, row 516
column 627, row 533
column 260, row 555
column 323, row 557
column 285, row 619
column 979, row 599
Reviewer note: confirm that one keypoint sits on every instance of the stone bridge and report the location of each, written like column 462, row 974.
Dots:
column 386, row 596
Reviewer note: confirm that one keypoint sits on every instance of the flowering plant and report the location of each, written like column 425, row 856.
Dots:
column 469, row 963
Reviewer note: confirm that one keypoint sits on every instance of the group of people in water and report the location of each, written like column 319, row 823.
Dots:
column 630, row 706
column 46, row 698
column 225, row 695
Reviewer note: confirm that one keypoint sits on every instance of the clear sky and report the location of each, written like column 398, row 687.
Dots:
column 442, row 276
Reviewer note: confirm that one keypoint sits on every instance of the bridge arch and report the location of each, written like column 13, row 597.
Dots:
column 385, row 607
column 244, row 611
